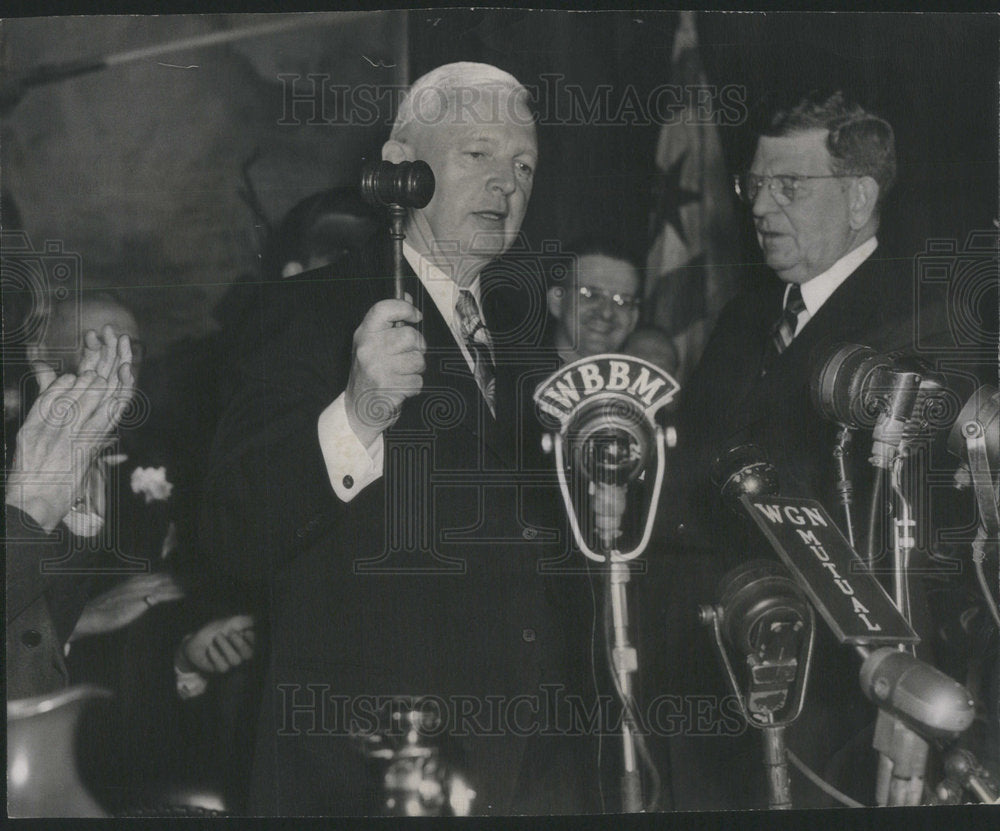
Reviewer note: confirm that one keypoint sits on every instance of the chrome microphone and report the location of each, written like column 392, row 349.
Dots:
column 916, row 703
column 977, row 423
column 925, row 698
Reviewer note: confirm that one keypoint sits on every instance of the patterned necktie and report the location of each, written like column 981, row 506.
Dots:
column 477, row 339
column 784, row 330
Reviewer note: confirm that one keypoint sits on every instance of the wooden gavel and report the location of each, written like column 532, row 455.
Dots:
column 397, row 187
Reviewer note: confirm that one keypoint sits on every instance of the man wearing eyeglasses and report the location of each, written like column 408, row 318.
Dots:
column 814, row 190
column 599, row 307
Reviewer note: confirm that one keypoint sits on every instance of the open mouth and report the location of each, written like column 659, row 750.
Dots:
column 491, row 216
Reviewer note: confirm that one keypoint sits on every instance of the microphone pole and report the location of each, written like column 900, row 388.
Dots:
column 608, row 503
column 605, row 406
column 845, row 489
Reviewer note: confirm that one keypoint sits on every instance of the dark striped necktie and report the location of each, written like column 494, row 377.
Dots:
column 784, row 330
column 477, row 339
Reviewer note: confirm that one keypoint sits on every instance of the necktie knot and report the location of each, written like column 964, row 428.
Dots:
column 794, row 302
column 784, row 329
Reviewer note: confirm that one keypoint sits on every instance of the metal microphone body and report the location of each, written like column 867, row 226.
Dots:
column 890, row 427
column 931, row 702
column 916, row 702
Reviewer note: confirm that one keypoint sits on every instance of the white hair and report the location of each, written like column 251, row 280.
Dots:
column 431, row 97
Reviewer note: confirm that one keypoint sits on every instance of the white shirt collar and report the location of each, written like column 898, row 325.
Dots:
column 441, row 288
column 817, row 291
column 444, row 292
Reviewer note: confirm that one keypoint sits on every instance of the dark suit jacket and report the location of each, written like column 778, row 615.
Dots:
column 35, row 663
column 427, row 583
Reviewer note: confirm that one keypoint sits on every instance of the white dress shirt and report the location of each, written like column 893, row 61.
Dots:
column 817, row 291
column 350, row 465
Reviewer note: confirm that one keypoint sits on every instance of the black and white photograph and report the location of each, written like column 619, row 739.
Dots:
column 471, row 412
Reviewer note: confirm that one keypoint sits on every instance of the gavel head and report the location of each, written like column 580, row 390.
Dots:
column 407, row 184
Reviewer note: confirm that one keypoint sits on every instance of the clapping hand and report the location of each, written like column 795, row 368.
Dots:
column 74, row 414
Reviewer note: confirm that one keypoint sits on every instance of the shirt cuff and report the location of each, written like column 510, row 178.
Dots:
column 350, row 465
column 83, row 523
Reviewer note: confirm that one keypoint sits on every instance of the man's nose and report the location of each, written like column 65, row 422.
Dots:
column 502, row 178
column 606, row 308
column 764, row 203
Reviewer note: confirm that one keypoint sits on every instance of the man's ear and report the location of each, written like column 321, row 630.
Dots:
column 397, row 151
column 554, row 296
column 864, row 197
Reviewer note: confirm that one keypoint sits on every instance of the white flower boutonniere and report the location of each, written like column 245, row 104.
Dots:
column 152, row 483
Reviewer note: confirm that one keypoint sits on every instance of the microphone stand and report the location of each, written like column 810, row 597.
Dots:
column 901, row 762
column 903, row 539
column 776, row 765
column 844, row 487
column 625, row 658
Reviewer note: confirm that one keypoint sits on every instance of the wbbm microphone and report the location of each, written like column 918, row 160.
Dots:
column 610, row 442
column 977, row 424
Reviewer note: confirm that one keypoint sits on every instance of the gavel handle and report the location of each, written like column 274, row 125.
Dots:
column 397, row 214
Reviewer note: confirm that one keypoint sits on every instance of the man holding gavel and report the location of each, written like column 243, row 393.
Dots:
column 371, row 474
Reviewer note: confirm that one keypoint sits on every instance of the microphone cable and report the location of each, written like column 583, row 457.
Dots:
column 820, row 782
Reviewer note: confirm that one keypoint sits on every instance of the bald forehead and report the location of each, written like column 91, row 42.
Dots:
column 465, row 108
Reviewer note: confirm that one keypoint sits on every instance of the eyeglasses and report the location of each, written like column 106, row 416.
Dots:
column 591, row 296
column 785, row 189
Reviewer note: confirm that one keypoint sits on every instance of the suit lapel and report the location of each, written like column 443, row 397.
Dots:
column 448, row 372
column 854, row 307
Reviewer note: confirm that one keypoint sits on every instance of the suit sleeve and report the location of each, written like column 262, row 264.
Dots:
column 27, row 547
column 267, row 494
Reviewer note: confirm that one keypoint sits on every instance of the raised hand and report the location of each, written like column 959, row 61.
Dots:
column 65, row 430
column 387, row 367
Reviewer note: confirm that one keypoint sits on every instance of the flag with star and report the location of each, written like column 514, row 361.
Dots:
column 690, row 265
